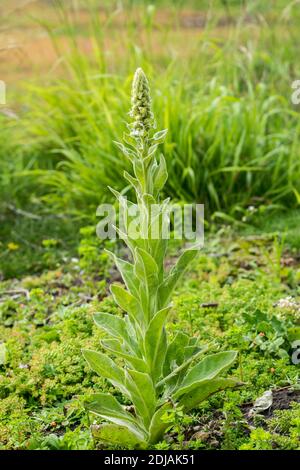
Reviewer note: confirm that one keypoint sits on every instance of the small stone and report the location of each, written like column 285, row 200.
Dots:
column 196, row 428
column 200, row 436
column 214, row 443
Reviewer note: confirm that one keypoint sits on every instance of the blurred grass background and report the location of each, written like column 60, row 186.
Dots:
column 221, row 74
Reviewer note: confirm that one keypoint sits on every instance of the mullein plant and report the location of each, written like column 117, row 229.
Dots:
column 154, row 372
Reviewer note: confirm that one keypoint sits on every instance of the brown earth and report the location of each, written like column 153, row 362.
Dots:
column 26, row 50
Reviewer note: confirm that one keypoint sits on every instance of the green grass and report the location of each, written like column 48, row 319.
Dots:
column 233, row 136
column 284, row 224
column 31, row 243
column 229, row 150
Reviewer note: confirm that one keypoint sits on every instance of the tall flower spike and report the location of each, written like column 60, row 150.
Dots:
column 154, row 371
column 141, row 105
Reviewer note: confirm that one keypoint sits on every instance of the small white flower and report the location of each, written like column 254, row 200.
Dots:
column 288, row 303
column 23, row 366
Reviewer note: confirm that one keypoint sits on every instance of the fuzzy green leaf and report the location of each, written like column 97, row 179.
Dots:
column 146, row 270
column 156, row 342
column 175, row 353
column 129, row 153
column 139, row 172
column 168, row 285
column 142, row 393
column 127, row 302
column 117, row 349
column 160, row 135
column 158, row 426
column 116, row 327
column 113, row 434
column 191, row 399
column 207, row 369
column 105, row 367
column 133, row 181
column 160, row 175
column 106, row 406
column 126, row 270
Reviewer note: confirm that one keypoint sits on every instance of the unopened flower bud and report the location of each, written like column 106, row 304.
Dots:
column 141, row 105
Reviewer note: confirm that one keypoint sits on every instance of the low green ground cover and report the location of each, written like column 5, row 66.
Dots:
column 243, row 293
